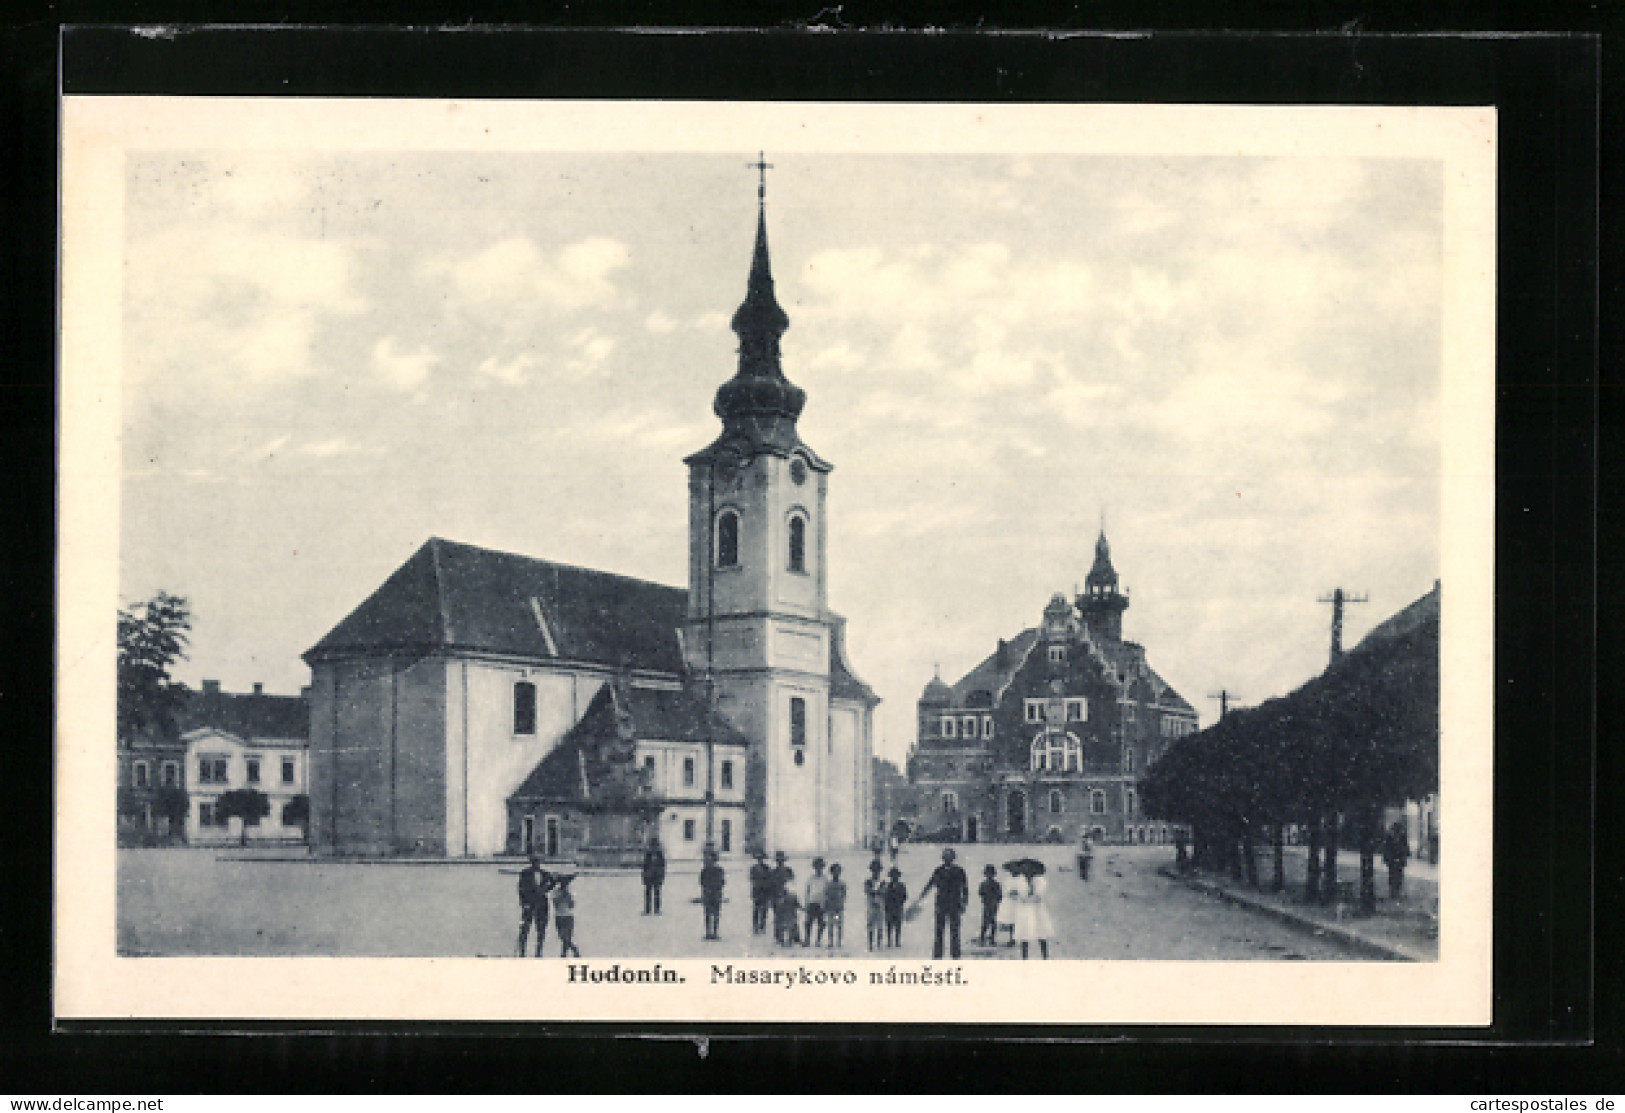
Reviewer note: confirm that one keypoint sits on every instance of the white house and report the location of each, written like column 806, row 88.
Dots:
column 218, row 761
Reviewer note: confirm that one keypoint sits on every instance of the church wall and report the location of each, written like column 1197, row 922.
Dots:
column 377, row 757
column 498, row 759
column 843, row 801
column 795, row 792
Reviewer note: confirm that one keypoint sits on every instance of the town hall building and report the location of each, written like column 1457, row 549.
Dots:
column 1046, row 739
column 482, row 703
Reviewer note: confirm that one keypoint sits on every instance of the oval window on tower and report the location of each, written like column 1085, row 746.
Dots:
column 798, row 543
column 727, row 539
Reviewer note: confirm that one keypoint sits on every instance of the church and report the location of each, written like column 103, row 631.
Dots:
column 1045, row 739
column 481, row 703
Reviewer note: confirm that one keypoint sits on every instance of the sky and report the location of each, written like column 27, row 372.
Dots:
column 1232, row 363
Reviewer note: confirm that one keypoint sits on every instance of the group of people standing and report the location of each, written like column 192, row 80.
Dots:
column 816, row 916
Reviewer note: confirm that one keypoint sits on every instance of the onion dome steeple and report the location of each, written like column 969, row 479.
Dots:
column 759, row 406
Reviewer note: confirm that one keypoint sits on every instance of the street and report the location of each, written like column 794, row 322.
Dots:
column 205, row 902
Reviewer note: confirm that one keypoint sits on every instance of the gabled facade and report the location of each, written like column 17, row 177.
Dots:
column 218, row 761
column 452, row 705
column 1046, row 738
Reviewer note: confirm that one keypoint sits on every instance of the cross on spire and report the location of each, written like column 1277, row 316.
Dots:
column 761, row 166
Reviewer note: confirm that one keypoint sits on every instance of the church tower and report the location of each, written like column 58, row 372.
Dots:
column 759, row 629
column 1101, row 604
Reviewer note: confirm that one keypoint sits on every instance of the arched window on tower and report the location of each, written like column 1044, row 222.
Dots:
column 728, row 539
column 798, row 543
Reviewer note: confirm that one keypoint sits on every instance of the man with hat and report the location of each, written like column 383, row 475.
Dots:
column 761, row 893
column 711, row 883
column 953, row 894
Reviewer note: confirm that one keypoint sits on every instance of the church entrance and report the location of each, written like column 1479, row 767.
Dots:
column 1016, row 808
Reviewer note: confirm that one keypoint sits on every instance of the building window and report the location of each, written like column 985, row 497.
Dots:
column 798, row 722
column 727, row 775
column 1057, row 753
column 950, row 727
column 171, row 774
column 728, row 539
column 1057, row 803
column 287, row 810
column 1130, row 802
column 211, row 770
column 798, row 543
column 987, row 726
column 287, row 770
column 1097, row 802
column 139, row 775
column 253, row 770
column 1128, row 759
column 968, row 726
column 727, row 835
column 1057, row 653
column 950, row 801
column 1035, row 710
column 688, row 830
column 688, row 772
column 524, row 707
column 649, row 765
column 1077, row 710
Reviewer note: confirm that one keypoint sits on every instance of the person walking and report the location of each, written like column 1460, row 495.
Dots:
column 564, row 917
column 712, row 879
column 1086, row 855
column 761, row 893
column 654, row 876
column 534, row 883
column 896, row 899
column 1032, row 916
column 835, row 906
column 992, row 894
column 817, row 890
column 953, row 894
column 1396, row 853
column 874, row 900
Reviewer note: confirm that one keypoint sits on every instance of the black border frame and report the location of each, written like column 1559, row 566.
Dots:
column 1555, row 142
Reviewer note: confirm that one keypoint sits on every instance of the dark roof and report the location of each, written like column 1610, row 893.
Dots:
column 843, row 682
column 455, row 596
column 592, row 763
column 988, row 676
column 246, row 715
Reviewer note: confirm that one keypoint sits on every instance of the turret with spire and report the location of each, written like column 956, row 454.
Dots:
column 1101, row 604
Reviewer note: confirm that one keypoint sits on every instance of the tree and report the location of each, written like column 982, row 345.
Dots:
column 297, row 813
column 152, row 636
column 247, row 804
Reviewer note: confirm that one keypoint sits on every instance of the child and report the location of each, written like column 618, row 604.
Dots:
column 817, row 887
column 992, row 893
column 874, row 897
column 564, row 917
column 896, row 900
column 785, row 907
column 835, row 905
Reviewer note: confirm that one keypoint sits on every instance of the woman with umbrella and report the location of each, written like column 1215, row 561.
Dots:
column 1032, row 917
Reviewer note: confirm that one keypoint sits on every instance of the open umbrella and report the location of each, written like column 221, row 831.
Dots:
column 1025, row 867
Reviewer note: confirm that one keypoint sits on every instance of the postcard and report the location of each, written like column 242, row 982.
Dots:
column 637, row 561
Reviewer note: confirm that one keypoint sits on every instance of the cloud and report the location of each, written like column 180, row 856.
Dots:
column 510, row 371
column 659, row 323
column 403, row 370
column 222, row 298
column 591, row 348
column 514, row 269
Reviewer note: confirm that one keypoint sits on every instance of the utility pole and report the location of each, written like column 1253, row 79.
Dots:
column 1224, row 696
column 1337, row 599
